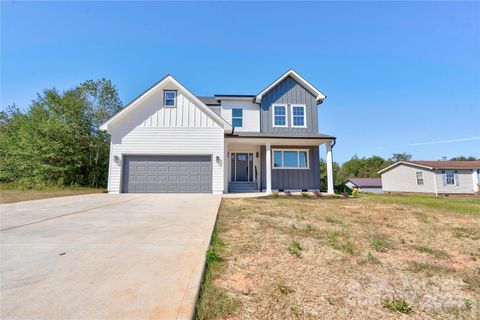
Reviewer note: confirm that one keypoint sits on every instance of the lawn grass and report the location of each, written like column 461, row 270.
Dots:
column 451, row 204
column 364, row 258
column 8, row 195
column 214, row 302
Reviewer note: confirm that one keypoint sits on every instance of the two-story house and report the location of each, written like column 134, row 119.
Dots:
column 169, row 140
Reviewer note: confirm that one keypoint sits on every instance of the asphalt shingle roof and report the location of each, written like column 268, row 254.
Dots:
column 366, row 182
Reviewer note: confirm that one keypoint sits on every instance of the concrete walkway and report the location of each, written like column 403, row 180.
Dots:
column 129, row 256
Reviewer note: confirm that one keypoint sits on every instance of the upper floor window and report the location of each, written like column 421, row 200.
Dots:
column 290, row 159
column 298, row 116
column 237, row 117
column 419, row 178
column 280, row 115
column 169, row 98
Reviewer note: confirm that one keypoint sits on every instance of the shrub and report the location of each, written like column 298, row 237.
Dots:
column 305, row 194
column 275, row 194
column 355, row 192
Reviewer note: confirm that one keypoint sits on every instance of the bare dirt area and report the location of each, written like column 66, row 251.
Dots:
column 367, row 258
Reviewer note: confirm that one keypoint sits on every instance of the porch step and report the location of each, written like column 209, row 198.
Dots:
column 242, row 187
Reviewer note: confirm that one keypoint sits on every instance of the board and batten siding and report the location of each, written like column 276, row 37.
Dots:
column 151, row 129
column 293, row 179
column 403, row 178
column 288, row 91
column 251, row 114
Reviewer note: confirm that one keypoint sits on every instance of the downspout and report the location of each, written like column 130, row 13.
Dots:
column 435, row 182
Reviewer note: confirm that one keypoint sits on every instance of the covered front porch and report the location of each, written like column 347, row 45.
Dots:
column 275, row 163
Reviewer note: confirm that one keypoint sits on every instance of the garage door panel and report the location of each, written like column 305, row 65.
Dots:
column 167, row 174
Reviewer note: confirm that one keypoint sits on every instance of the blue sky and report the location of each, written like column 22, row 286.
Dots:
column 395, row 74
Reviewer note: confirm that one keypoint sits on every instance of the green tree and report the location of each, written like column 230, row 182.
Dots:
column 337, row 177
column 363, row 167
column 396, row 157
column 57, row 141
column 463, row 158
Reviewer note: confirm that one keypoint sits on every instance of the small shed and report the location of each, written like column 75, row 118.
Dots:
column 373, row 185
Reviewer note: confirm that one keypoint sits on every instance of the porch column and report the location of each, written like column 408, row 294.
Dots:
column 226, row 161
column 268, row 168
column 475, row 180
column 329, row 168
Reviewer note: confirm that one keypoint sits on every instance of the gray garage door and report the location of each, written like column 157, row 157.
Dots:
column 162, row 174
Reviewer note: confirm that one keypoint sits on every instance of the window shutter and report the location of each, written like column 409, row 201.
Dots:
column 444, row 175
column 457, row 181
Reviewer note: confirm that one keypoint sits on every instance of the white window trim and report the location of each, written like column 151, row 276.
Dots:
column 238, row 117
column 165, row 99
column 298, row 159
column 273, row 115
column 304, row 106
column 446, row 178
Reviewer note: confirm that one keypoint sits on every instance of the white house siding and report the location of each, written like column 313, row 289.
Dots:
column 151, row 129
column 465, row 184
column 403, row 178
column 251, row 114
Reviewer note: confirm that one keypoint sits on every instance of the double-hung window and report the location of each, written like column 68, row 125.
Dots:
column 237, row 117
column 290, row 159
column 419, row 178
column 450, row 177
column 298, row 116
column 280, row 115
column 169, row 98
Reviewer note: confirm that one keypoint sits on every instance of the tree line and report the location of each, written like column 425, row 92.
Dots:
column 56, row 141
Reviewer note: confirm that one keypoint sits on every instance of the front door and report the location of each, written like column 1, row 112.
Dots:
column 242, row 167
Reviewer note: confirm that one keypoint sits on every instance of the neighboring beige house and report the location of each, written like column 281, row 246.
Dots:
column 437, row 177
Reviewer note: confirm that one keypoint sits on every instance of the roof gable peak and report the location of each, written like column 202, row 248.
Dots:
column 319, row 97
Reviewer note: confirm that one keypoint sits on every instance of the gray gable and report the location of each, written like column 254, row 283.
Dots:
column 288, row 91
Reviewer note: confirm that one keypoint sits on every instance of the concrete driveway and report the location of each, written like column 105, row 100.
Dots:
column 101, row 256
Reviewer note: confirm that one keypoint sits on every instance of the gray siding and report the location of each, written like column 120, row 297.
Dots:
column 288, row 91
column 289, row 179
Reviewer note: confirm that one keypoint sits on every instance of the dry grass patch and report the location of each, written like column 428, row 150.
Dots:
column 17, row 195
column 367, row 258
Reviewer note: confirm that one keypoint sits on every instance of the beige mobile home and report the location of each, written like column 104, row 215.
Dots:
column 435, row 177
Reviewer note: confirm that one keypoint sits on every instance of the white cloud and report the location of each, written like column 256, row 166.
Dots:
column 444, row 141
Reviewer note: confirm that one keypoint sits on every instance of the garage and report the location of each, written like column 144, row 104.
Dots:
column 164, row 174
